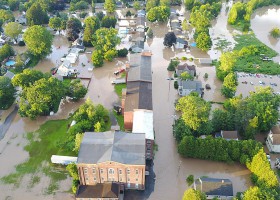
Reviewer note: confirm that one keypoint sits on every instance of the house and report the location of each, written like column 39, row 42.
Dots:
column 229, row 135
column 188, row 86
column 215, row 188
column 181, row 43
column 117, row 157
column 9, row 74
column 138, row 93
column 273, row 139
column 21, row 20
column 72, row 55
column 141, row 13
column 137, row 47
column 140, row 22
column 184, row 67
column 119, row 4
column 66, row 69
column 143, row 123
column 100, row 191
column 80, row 48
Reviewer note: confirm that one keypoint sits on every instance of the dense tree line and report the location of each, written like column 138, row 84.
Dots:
column 158, row 13
column 7, row 92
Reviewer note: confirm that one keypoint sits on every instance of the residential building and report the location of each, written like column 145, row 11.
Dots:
column 138, row 92
column 66, row 69
column 21, row 19
column 273, row 139
column 185, row 67
column 188, row 86
column 143, row 123
column 117, row 157
column 181, row 43
column 100, row 191
column 229, row 135
column 215, row 188
column 138, row 47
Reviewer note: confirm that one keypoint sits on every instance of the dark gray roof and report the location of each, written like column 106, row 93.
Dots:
column 121, row 147
column 140, row 68
column 214, row 186
column 9, row 74
column 138, row 96
column 140, row 21
column 100, row 190
column 191, row 85
column 139, row 44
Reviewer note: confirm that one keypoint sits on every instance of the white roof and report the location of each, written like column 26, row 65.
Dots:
column 143, row 123
column 64, row 160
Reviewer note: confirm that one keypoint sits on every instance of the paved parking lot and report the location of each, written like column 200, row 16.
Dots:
column 248, row 82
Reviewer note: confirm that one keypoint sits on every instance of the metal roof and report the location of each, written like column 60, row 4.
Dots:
column 143, row 123
column 121, row 147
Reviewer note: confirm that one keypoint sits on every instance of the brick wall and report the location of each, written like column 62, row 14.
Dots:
column 128, row 120
column 133, row 176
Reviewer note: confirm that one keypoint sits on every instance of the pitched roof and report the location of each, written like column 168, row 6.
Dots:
column 138, row 96
column 229, row 134
column 191, row 85
column 140, row 68
column 275, row 130
column 100, row 190
column 214, row 186
column 143, row 123
column 140, row 21
column 191, row 69
column 121, row 147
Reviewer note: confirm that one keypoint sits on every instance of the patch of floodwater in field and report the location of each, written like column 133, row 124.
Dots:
column 262, row 22
column 170, row 168
column 221, row 33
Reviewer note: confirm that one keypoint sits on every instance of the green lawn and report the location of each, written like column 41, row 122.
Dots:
column 254, row 63
column 43, row 143
column 118, row 89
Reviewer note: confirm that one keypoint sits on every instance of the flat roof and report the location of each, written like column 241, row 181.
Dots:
column 143, row 123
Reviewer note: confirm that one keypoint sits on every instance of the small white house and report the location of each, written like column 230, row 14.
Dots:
column 273, row 139
column 66, row 69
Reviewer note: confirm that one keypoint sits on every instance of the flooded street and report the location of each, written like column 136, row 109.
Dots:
column 262, row 22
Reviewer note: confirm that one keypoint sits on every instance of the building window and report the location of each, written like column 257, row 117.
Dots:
column 128, row 179
column 120, row 179
column 85, row 170
column 111, row 171
column 94, row 178
column 102, row 179
column 87, row 182
column 136, row 180
column 93, row 170
column 136, row 171
column 101, row 171
column 128, row 171
column 120, row 171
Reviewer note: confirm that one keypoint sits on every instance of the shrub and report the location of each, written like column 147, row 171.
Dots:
column 176, row 85
column 184, row 58
column 172, row 65
column 122, row 52
column 190, row 180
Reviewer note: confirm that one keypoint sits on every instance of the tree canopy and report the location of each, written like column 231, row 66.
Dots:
column 159, row 13
column 193, row 195
column 195, row 111
column 6, row 15
column 7, row 92
column 110, row 6
column 38, row 41
column 35, row 15
column 56, row 23
column 13, row 29
column 92, row 24
column 169, row 39
column 229, row 85
column 76, row 90
column 28, row 77
column 73, row 27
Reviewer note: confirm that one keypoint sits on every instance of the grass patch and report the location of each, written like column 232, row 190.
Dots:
column 222, row 44
column 43, row 143
column 118, row 89
column 34, row 180
column 120, row 120
column 252, row 62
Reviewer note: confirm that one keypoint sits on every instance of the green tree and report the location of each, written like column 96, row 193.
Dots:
column 35, row 15
column 195, row 111
column 110, row 6
column 41, row 98
column 186, row 76
column 169, row 39
column 164, row 3
column 236, row 12
column 78, row 141
column 13, row 29
column 73, row 27
column 185, row 25
column 28, row 77
column 76, row 90
column 7, row 92
column 151, row 4
column 122, row 52
column 97, row 58
column 136, row 5
column 91, row 25
column 110, row 55
column 200, row 20
column 172, row 65
column 108, row 22
column 6, row 51
column 38, row 41
column 229, row 85
column 150, row 33
column 189, row 4
column 106, row 39
column 203, row 41
column 275, row 32
column 222, row 120
column 180, row 130
column 13, row 4
column 56, row 23
column 159, row 13
column 226, row 65
column 193, row 195
column 6, row 15
column 73, row 171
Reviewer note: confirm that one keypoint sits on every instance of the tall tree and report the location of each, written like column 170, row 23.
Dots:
column 35, row 15
column 6, row 15
column 28, row 77
column 106, row 39
column 110, row 6
column 195, row 111
column 91, row 25
column 56, row 23
column 203, row 40
column 169, row 39
column 41, row 98
column 229, row 85
column 13, row 29
column 193, row 195
column 38, row 41
column 7, row 92
column 73, row 28
column 76, row 90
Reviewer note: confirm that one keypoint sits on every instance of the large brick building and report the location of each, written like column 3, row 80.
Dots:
column 112, row 157
column 138, row 93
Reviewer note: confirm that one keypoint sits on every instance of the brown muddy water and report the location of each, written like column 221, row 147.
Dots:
column 171, row 170
column 262, row 22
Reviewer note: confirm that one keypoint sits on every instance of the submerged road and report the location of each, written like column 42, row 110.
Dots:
column 7, row 123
